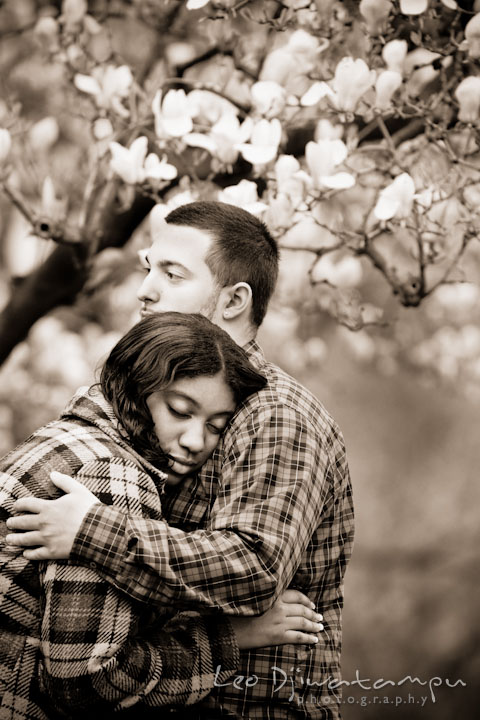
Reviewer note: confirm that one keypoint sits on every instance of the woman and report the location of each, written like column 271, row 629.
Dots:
column 68, row 641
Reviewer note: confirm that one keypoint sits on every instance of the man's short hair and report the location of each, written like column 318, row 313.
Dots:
column 243, row 249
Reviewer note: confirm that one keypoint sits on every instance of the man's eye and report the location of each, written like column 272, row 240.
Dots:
column 177, row 413
column 173, row 277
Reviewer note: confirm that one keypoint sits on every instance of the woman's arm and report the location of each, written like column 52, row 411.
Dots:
column 99, row 652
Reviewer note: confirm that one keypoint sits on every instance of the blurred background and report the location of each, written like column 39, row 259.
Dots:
column 405, row 389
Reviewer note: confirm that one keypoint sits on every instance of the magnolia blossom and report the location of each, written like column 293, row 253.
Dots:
column 375, row 13
column 109, row 85
column 315, row 93
column 268, row 98
column 322, row 157
column 468, row 96
column 207, row 107
column 173, row 114
column 326, row 130
column 396, row 200
column 133, row 165
column 44, row 134
column 472, row 36
column 386, row 85
column 224, row 137
column 344, row 271
column 297, row 57
column 73, row 11
column 196, row 4
column 394, row 54
column 291, row 180
column 5, row 144
column 352, row 80
column 413, row 7
column 244, row 195
column 264, row 141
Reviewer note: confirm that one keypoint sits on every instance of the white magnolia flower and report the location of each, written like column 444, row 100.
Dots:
column 134, row 166
column 386, row 85
column 224, row 137
column 5, row 144
column 339, row 271
column 196, row 4
column 315, row 93
column 109, row 85
column 264, row 141
column 375, row 13
column 244, row 195
column 396, row 200
column 291, row 180
column 468, row 96
column 472, row 36
column 322, row 157
column 268, row 98
column 394, row 54
column 352, row 80
column 173, row 114
column 44, row 134
column 413, row 7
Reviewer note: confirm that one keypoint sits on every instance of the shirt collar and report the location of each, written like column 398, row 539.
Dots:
column 255, row 354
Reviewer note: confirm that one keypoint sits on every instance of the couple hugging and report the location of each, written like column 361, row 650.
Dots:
column 190, row 547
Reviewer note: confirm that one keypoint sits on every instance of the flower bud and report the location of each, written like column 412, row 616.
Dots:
column 375, row 13
column 472, row 36
column 468, row 96
column 5, row 144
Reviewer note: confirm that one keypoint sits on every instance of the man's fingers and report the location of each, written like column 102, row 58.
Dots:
column 300, row 638
column 29, row 504
column 294, row 610
column 27, row 539
column 295, row 596
column 65, row 482
column 23, row 522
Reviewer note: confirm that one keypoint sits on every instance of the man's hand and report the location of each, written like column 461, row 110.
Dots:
column 52, row 525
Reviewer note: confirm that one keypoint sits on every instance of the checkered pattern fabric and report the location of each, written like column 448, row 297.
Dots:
column 71, row 644
column 271, row 509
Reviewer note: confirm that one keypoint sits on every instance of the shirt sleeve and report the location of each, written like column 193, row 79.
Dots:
column 271, row 496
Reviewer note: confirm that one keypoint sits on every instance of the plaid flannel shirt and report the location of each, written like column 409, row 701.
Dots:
column 271, row 509
column 71, row 644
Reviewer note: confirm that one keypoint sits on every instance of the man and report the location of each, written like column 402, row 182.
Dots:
column 271, row 509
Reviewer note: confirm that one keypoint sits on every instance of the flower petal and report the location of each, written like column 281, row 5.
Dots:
column 87, row 84
column 339, row 181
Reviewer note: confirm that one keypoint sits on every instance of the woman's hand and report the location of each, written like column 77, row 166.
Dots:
column 50, row 528
column 291, row 619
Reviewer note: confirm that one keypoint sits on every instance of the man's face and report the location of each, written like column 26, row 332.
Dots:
column 178, row 278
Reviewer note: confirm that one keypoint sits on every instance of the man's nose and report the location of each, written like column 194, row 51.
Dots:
column 193, row 438
column 148, row 291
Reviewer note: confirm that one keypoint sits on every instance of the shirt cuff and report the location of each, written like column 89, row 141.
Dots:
column 101, row 542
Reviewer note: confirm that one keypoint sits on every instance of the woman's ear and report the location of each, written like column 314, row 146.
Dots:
column 237, row 301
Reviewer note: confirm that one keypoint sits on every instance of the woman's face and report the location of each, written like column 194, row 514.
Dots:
column 189, row 417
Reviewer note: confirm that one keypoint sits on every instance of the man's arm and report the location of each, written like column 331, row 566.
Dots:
column 273, row 488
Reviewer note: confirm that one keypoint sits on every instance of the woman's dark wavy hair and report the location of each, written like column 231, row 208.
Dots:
column 162, row 348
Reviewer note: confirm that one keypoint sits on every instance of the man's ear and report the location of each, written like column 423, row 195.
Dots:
column 237, row 300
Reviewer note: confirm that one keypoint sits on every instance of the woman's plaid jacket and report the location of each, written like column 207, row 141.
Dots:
column 70, row 642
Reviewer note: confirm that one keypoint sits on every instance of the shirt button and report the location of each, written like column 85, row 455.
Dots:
column 93, row 565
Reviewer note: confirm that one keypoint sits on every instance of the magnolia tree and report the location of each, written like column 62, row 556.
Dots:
column 351, row 128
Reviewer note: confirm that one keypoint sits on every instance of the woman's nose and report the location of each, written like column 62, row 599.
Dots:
column 193, row 438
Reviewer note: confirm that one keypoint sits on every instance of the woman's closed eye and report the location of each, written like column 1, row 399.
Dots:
column 215, row 429
column 178, row 413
